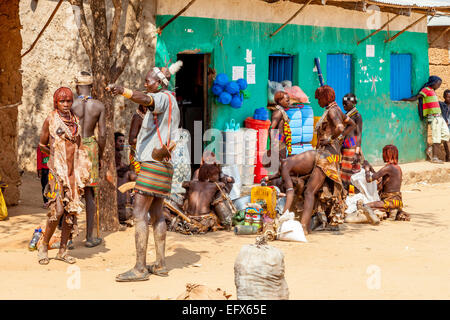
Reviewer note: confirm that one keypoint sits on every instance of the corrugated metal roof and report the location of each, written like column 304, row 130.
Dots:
column 439, row 21
column 417, row 3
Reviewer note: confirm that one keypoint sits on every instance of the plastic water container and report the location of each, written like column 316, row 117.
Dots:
column 295, row 116
column 262, row 128
column 301, row 148
column 307, row 123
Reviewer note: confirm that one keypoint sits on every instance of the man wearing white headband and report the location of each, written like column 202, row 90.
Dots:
column 153, row 184
column 351, row 146
column 91, row 113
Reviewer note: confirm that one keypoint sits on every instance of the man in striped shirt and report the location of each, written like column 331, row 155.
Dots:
column 429, row 107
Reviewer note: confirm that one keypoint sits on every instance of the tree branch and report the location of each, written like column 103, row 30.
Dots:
column 132, row 26
column 83, row 29
column 115, row 25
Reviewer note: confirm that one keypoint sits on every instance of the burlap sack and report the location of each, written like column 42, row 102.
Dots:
column 259, row 273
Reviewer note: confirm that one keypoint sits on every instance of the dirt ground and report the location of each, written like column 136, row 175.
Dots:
column 396, row 260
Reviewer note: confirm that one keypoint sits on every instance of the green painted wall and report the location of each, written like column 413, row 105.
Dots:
column 385, row 121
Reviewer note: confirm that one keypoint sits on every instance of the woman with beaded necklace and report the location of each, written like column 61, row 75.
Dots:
column 69, row 172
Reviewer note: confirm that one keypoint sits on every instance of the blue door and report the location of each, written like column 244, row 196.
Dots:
column 339, row 68
column 400, row 76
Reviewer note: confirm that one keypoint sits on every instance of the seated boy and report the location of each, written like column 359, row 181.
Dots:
column 200, row 195
column 391, row 181
column 210, row 158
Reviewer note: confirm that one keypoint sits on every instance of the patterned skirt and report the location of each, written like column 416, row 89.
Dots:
column 347, row 166
column 155, row 179
column 90, row 145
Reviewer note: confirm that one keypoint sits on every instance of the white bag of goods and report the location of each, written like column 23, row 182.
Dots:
column 259, row 273
column 369, row 190
column 233, row 171
column 290, row 229
column 272, row 88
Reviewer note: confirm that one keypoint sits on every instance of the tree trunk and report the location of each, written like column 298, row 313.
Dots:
column 99, row 48
column 101, row 72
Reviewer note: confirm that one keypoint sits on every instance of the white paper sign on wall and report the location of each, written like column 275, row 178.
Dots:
column 370, row 50
column 238, row 72
column 251, row 77
column 248, row 56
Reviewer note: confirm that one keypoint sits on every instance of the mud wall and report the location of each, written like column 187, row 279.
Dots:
column 59, row 56
column 439, row 55
column 10, row 96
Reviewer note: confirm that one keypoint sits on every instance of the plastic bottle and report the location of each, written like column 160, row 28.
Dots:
column 245, row 230
column 36, row 236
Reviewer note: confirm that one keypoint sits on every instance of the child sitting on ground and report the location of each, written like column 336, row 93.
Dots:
column 390, row 195
column 200, row 194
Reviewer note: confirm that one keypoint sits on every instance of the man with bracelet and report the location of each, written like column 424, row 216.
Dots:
column 322, row 163
column 154, row 180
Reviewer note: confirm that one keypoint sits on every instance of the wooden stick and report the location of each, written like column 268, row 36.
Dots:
column 233, row 208
column 178, row 212
column 378, row 30
column 127, row 186
column 160, row 29
column 408, row 27
column 45, row 27
column 440, row 35
column 11, row 105
column 98, row 217
column 290, row 19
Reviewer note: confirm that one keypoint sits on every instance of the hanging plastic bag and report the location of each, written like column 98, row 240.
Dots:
column 181, row 161
column 290, row 229
column 271, row 89
column 296, row 94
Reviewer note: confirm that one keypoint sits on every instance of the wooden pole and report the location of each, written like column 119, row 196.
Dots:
column 160, row 29
column 408, row 27
column 440, row 35
column 291, row 18
column 378, row 30
column 43, row 29
column 178, row 212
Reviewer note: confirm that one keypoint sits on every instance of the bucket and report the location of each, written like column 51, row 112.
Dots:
column 223, row 211
column 241, row 203
column 262, row 127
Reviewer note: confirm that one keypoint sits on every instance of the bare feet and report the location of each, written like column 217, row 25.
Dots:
column 65, row 258
column 43, row 255
column 133, row 275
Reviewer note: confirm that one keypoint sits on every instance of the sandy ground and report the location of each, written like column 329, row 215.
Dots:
column 396, row 260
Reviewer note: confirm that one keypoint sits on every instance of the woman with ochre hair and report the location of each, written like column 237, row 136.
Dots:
column 69, row 172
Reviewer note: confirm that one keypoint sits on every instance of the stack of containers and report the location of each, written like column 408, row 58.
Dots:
column 302, row 127
column 295, row 116
column 262, row 128
column 233, row 139
column 307, row 127
column 249, row 152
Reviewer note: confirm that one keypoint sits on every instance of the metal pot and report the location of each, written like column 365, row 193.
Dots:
column 241, row 203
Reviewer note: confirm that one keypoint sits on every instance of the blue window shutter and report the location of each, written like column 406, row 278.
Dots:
column 339, row 68
column 400, row 76
column 281, row 67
